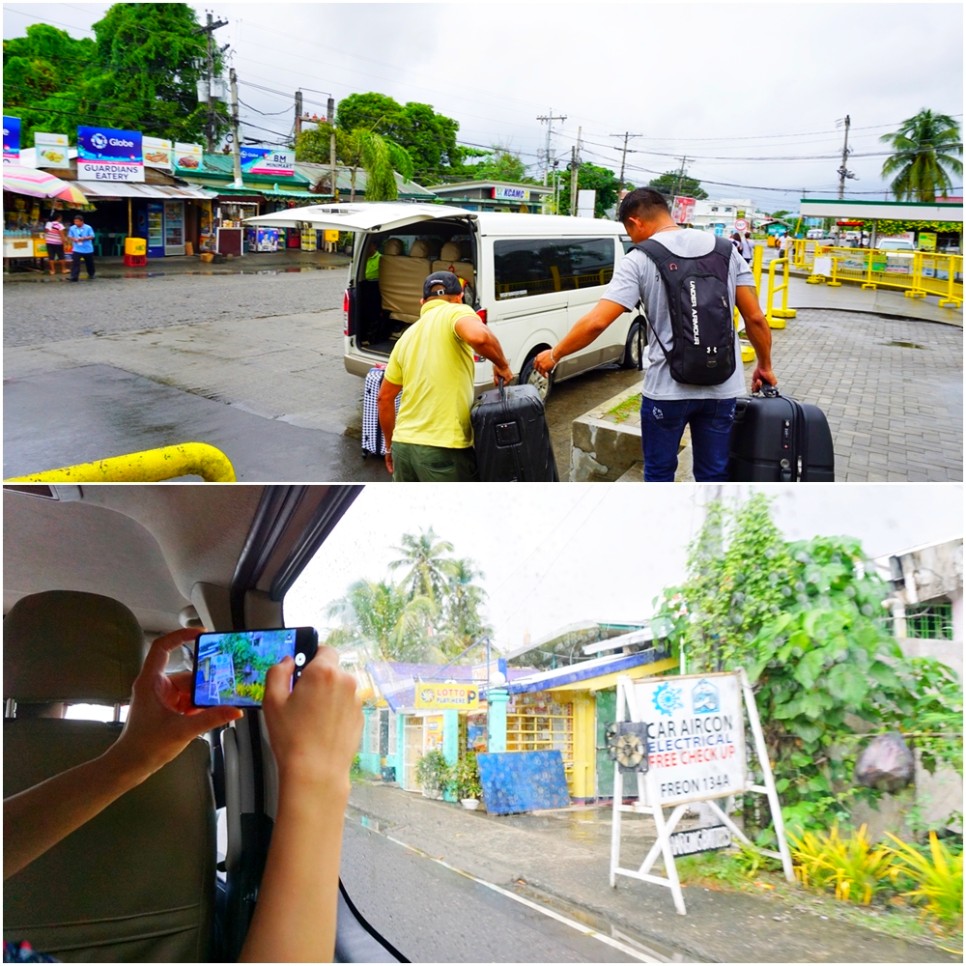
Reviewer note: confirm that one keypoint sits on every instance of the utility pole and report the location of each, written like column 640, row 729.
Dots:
column 574, row 173
column 680, row 180
column 298, row 113
column 549, row 119
column 626, row 136
column 210, row 27
column 235, row 140
column 843, row 171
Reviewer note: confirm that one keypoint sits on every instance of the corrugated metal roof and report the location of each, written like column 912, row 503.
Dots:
column 132, row 189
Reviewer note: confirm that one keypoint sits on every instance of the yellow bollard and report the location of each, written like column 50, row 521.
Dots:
column 149, row 466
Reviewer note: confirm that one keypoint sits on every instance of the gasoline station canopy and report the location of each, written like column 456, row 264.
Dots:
column 849, row 208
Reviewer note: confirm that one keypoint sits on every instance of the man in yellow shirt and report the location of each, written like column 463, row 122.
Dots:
column 431, row 438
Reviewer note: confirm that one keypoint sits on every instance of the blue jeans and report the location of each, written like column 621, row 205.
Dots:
column 662, row 426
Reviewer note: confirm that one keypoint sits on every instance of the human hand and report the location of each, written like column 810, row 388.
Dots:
column 162, row 720
column 389, row 461
column 314, row 727
column 762, row 377
column 544, row 363
column 502, row 372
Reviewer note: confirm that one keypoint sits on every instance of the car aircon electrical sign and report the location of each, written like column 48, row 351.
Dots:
column 108, row 154
column 695, row 736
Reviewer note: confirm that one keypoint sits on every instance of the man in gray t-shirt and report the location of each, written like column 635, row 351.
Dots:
column 667, row 405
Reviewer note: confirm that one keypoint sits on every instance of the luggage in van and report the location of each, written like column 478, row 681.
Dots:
column 511, row 437
column 776, row 439
column 373, row 442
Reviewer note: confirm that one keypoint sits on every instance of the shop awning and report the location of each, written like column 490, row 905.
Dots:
column 114, row 190
column 266, row 191
column 594, row 675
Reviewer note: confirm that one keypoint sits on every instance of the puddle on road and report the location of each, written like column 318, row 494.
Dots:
column 899, row 344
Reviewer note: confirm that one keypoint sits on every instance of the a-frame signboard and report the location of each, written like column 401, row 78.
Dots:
column 683, row 740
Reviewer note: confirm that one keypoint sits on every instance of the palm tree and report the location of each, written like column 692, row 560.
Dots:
column 464, row 599
column 925, row 147
column 429, row 567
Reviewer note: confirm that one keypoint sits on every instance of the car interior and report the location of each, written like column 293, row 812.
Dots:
column 92, row 574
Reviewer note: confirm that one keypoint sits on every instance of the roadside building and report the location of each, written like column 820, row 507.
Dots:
column 493, row 196
column 565, row 707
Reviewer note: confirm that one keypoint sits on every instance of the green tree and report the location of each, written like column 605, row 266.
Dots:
column 806, row 622
column 591, row 177
column 428, row 565
column 498, row 164
column 925, row 152
column 429, row 138
column 674, row 183
column 43, row 83
column 147, row 63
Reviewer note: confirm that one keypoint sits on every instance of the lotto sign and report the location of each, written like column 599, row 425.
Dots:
column 453, row 697
column 695, row 736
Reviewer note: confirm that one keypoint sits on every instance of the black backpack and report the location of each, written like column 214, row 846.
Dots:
column 702, row 319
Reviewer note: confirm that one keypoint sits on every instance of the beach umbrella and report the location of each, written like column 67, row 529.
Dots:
column 40, row 184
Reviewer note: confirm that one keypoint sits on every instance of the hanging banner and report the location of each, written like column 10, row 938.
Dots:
column 108, row 154
column 11, row 140
column 261, row 159
column 157, row 153
column 51, row 150
column 188, row 157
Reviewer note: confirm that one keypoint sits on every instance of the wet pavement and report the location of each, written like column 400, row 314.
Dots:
column 140, row 358
column 561, row 859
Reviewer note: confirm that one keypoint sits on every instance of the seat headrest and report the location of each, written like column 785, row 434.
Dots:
column 63, row 645
column 393, row 247
column 450, row 252
column 421, row 249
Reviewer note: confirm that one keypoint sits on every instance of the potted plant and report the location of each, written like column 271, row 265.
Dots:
column 467, row 778
column 433, row 773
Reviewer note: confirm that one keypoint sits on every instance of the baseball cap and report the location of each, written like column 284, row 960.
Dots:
column 442, row 283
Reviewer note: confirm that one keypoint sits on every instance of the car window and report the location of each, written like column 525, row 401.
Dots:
column 537, row 266
column 488, row 639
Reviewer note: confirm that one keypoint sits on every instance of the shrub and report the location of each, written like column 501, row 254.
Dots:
column 937, row 878
column 852, row 867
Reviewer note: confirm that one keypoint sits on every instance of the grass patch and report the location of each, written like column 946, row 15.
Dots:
column 623, row 411
column 731, row 870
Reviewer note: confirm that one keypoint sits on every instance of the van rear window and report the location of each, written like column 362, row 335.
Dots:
column 536, row 266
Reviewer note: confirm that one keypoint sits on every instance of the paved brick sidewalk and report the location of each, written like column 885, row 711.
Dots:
column 892, row 389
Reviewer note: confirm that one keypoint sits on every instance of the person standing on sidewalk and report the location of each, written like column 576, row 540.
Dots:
column 82, row 237
column 747, row 248
column 431, row 438
column 668, row 405
column 54, row 240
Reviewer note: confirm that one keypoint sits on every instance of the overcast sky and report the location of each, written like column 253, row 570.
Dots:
column 554, row 555
column 749, row 93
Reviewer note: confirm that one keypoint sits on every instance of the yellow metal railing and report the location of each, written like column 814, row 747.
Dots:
column 776, row 316
column 917, row 274
column 149, row 466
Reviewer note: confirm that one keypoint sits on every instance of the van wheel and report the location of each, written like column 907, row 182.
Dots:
column 631, row 359
column 530, row 376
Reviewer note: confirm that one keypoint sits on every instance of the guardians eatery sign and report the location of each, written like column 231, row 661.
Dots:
column 106, row 154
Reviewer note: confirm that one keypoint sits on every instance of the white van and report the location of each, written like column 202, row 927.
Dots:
column 530, row 277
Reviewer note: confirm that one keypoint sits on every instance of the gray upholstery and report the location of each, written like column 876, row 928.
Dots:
column 136, row 883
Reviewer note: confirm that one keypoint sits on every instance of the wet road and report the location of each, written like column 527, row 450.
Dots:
column 249, row 363
column 434, row 914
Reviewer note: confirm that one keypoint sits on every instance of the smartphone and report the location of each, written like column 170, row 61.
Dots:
column 230, row 667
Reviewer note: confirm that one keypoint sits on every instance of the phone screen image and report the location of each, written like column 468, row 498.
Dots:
column 230, row 667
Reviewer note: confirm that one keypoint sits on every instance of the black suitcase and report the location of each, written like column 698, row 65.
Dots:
column 776, row 439
column 511, row 437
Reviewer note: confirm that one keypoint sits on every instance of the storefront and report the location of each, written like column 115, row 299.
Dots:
column 416, row 708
